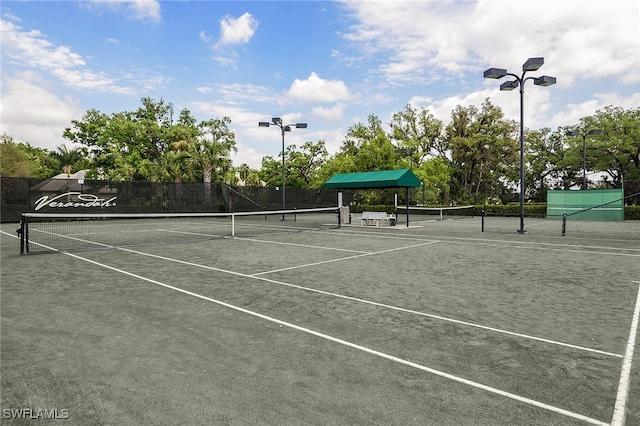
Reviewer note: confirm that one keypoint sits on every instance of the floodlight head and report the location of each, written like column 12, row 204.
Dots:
column 301, row 125
column 508, row 85
column 594, row 132
column 263, row 124
column 572, row 133
column 533, row 64
column 276, row 120
column 495, row 73
column 545, row 80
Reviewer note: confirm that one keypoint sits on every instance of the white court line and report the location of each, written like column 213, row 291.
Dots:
column 368, row 302
column 381, row 305
column 439, row 373
column 625, row 373
column 501, row 243
column 300, row 245
column 342, row 259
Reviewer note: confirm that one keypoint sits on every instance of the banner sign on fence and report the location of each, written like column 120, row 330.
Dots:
column 74, row 199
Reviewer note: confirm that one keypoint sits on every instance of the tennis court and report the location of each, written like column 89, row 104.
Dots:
column 437, row 323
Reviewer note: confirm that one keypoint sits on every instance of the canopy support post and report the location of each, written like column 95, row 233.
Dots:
column 407, row 206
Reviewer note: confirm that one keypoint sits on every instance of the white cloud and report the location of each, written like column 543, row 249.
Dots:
column 32, row 50
column 142, row 10
column 572, row 113
column 315, row 89
column 226, row 61
column 334, row 113
column 424, row 39
column 32, row 113
column 204, row 37
column 237, row 31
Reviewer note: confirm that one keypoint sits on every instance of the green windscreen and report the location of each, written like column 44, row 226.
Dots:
column 593, row 204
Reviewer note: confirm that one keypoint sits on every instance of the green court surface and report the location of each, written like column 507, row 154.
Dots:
column 432, row 324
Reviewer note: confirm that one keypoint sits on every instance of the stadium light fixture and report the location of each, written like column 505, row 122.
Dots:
column 277, row 121
column 495, row 73
column 584, row 150
column 544, row 81
column 532, row 64
column 508, row 85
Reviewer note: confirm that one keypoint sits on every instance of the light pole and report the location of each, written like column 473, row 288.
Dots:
column 532, row 64
column 277, row 121
column 584, row 151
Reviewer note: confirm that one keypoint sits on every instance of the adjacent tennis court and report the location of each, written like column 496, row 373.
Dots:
column 432, row 324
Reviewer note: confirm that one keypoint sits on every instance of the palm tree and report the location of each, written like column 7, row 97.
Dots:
column 67, row 158
column 211, row 151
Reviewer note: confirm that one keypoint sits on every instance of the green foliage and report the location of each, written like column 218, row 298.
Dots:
column 483, row 150
column 632, row 213
column 15, row 161
column 301, row 166
column 615, row 151
column 24, row 160
column 147, row 145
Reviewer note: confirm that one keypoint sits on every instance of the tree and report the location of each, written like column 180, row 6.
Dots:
column 419, row 136
column 15, row 161
column 301, row 166
column 24, row 160
column 365, row 148
column 420, row 132
column 435, row 176
column 212, row 149
column 147, row 145
column 483, row 151
column 615, row 151
column 70, row 160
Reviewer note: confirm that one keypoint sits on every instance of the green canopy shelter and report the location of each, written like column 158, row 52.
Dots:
column 402, row 178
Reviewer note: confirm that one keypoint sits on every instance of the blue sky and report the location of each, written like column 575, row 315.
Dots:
column 327, row 63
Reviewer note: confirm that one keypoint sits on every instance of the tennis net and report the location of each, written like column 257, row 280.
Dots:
column 51, row 232
column 436, row 213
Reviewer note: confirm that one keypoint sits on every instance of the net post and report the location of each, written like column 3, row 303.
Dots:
column 22, row 233
column 483, row 215
column 564, row 224
column 339, row 216
column 233, row 225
